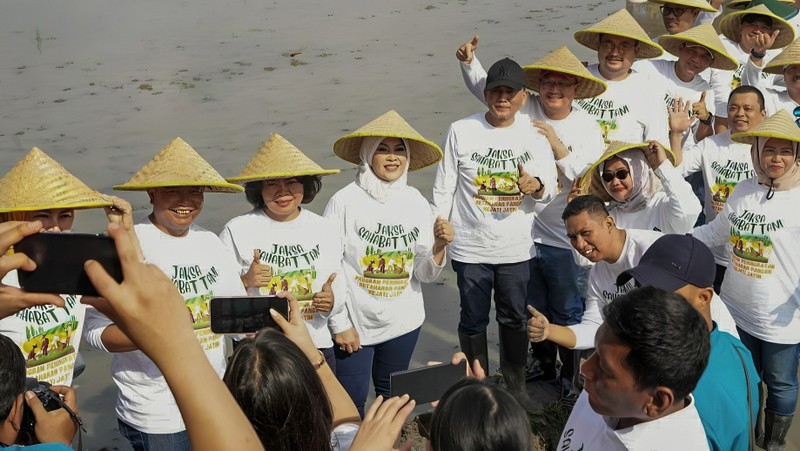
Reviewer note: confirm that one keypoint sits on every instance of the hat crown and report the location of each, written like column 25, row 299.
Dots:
column 278, row 158
column 704, row 35
column 505, row 72
column 622, row 24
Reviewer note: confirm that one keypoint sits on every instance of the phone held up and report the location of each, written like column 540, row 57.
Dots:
column 427, row 384
column 245, row 314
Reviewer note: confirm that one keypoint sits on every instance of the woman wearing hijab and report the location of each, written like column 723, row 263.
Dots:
column 628, row 176
column 762, row 222
column 391, row 244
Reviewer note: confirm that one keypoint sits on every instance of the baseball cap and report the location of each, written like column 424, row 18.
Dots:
column 505, row 72
column 673, row 261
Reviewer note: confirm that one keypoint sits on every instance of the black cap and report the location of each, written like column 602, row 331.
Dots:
column 673, row 261
column 505, row 72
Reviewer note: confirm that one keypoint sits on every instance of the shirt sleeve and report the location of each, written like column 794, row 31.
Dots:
column 579, row 159
column 444, row 186
column 339, row 318
column 716, row 232
column 474, row 78
column 427, row 270
column 543, row 165
column 95, row 325
column 692, row 161
column 592, row 319
column 681, row 209
column 657, row 127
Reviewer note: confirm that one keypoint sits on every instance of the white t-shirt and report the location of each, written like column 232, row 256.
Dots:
column 48, row 337
column 724, row 164
column 760, row 286
column 201, row 268
column 586, row 430
column 630, row 110
column 774, row 99
column 343, row 435
column 725, row 81
column 476, row 187
column 387, row 253
column 302, row 254
column 671, row 210
column 603, row 284
column 662, row 72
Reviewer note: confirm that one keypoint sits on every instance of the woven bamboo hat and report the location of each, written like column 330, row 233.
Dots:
column 730, row 22
column 742, row 4
column 788, row 57
column 621, row 23
column 391, row 125
column 278, row 158
column 705, row 36
column 563, row 61
column 779, row 125
column 592, row 176
column 37, row 182
column 178, row 165
column 702, row 4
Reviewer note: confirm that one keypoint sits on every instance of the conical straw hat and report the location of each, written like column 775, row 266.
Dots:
column 38, row 182
column 592, row 175
column 621, row 23
column 702, row 4
column 788, row 57
column 730, row 22
column 700, row 35
column 390, row 125
column 779, row 125
column 178, row 165
column 278, row 158
column 563, row 61
column 729, row 5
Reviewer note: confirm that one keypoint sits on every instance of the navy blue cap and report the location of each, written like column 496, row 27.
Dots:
column 673, row 261
column 505, row 72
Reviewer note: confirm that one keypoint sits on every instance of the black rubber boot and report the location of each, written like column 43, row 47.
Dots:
column 513, row 355
column 543, row 365
column 474, row 346
column 775, row 429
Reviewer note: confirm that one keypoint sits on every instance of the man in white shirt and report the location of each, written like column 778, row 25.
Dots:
column 786, row 64
column 650, row 353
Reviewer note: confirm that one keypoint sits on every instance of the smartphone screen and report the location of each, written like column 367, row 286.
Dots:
column 245, row 314
column 427, row 384
column 59, row 261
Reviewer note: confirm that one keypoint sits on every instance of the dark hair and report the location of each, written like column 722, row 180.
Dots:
column 478, row 415
column 12, row 375
column 745, row 89
column 668, row 338
column 752, row 18
column 311, row 186
column 280, row 392
column 588, row 203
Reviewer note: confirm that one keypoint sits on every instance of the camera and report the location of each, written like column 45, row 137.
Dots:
column 50, row 400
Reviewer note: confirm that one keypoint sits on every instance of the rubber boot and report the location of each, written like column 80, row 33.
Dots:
column 513, row 356
column 543, row 365
column 759, row 432
column 775, row 429
column 474, row 346
column 570, row 376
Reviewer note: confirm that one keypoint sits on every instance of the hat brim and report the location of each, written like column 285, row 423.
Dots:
column 207, row 187
column 591, row 39
column 74, row 206
column 423, row 152
column 651, row 276
column 702, row 5
column 587, row 87
column 722, row 61
column 283, row 175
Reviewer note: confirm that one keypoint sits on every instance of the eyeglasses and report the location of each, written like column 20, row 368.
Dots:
column 556, row 84
column 796, row 113
column 620, row 174
column 667, row 10
column 623, row 47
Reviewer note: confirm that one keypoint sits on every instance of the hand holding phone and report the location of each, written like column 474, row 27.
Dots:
column 427, row 384
column 245, row 314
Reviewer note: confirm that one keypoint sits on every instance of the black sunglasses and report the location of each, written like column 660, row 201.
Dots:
column 621, row 174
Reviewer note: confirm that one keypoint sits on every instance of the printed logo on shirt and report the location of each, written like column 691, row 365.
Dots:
column 292, row 269
column 670, row 102
column 619, row 291
column 388, row 259
column 752, row 245
column 196, row 286
column 605, row 112
column 737, row 77
column 566, row 441
column 49, row 347
column 497, row 189
column 726, row 176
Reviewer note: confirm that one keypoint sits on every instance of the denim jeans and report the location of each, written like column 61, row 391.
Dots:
column 475, row 284
column 141, row 441
column 777, row 366
column 555, row 288
column 379, row 361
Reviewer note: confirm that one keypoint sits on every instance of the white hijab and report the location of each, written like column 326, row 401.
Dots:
column 641, row 178
column 379, row 189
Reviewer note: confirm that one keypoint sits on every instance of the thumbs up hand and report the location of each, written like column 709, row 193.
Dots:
column 323, row 300
column 527, row 184
column 699, row 108
column 538, row 326
column 443, row 231
column 258, row 274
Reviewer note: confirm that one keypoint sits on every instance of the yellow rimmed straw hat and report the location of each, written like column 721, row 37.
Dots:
column 730, row 22
column 788, row 57
column 702, row 4
column 390, row 125
column 592, row 175
column 739, row 5
column 37, row 182
column 780, row 125
column 278, row 158
column 703, row 35
column 563, row 61
column 622, row 24
column 178, row 164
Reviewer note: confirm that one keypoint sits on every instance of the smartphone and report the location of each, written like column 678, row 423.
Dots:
column 427, row 384
column 245, row 314
column 59, row 261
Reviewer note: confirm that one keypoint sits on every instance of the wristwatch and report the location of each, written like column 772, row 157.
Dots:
column 541, row 185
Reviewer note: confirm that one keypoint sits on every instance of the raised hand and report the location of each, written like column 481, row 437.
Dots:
column 527, row 183
column 466, row 53
column 257, row 275
column 699, row 108
column 538, row 326
column 679, row 119
column 323, row 300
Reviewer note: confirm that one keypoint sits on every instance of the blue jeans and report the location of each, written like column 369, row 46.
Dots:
column 777, row 365
column 475, row 284
column 141, row 441
column 555, row 288
column 380, row 360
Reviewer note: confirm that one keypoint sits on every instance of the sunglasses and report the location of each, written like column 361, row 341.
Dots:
column 621, row 174
column 667, row 10
column 796, row 113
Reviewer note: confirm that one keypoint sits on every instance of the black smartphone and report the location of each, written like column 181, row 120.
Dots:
column 427, row 384
column 245, row 314
column 59, row 261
